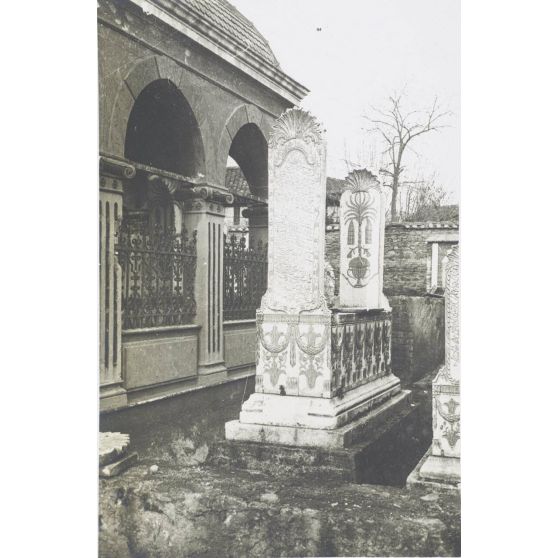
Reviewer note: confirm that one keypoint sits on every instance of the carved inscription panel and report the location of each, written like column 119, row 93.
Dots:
column 296, row 215
column 294, row 219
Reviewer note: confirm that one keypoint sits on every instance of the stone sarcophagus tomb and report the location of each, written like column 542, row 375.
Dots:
column 318, row 371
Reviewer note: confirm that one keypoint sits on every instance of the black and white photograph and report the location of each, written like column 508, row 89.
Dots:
column 249, row 246
column 279, row 278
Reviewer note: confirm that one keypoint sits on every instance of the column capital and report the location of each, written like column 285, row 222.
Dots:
column 116, row 168
column 208, row 192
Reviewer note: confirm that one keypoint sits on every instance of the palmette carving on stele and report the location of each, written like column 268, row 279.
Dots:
column 362, row 223
column 296, row 215
column 293, row 322
column 446, row 401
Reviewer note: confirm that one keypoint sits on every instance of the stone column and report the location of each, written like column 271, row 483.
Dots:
column 441, row 465
column 112, row 392
column 362, row 224
column 206, row 214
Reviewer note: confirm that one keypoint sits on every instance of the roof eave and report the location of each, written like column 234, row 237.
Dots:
column 213, row 40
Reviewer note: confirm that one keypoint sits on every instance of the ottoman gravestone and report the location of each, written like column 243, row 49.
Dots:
column 300, row 399
column 441, row 465
column 362, row 224
column 361, row 324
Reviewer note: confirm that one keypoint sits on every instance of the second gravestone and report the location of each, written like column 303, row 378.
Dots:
column 362, row 223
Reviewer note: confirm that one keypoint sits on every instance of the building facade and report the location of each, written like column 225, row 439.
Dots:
column 184, row 85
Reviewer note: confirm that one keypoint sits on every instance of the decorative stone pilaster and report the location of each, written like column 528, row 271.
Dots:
column 441, row 465
column 361, row 227
column 205, row 214
column 112, row 174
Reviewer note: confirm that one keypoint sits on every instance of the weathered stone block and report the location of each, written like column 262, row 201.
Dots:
column 119, row 466
column 112, row 446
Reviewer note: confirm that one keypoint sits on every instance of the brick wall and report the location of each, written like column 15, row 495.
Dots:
column 407, row 255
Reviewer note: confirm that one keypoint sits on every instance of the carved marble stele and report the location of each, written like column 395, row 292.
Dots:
column 362, row 225
column 295, row 402
column 441, row 465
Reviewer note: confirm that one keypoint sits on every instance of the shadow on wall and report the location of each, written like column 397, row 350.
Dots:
column 417, row 336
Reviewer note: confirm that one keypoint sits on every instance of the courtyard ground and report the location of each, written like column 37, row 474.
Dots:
column 176, row 502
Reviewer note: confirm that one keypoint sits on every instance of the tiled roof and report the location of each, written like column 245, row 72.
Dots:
column 226, row 19
column 237, row 185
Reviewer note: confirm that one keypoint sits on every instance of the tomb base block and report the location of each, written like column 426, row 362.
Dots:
column 435, row 471
column 296, row 422
column 318, row 412
column 346, row 454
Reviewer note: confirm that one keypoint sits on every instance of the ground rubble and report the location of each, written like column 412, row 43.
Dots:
column 187, row 507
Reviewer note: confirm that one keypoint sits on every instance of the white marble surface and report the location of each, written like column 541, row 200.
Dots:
column 446, row 400
column 297, row 190
column 362, row 224
column 301, row 435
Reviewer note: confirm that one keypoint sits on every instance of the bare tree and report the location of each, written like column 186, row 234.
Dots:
column 398, row 129
column 420, row 198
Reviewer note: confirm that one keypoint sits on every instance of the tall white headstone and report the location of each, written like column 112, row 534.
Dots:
column 297, row 198
column 445, row 388
column 293, row 322
column 362, row 225
column 441, row 465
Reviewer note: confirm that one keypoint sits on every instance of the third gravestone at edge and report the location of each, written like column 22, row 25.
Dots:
column 441, row 466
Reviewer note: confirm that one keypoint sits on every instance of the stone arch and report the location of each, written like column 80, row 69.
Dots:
column 246, row 130
column 133, row 81
column 162, row 131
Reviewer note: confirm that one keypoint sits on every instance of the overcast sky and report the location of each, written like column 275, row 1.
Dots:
column 365, row 50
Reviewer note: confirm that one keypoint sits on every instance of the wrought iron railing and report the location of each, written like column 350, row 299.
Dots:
column 245, row 278
column 158, row 274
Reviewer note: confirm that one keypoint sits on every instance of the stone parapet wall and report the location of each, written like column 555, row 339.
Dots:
column 417, row 341
column 360, row 348
column 240, row 345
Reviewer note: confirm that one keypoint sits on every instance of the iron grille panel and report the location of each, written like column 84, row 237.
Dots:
column 158, row 275
column 244, row 278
